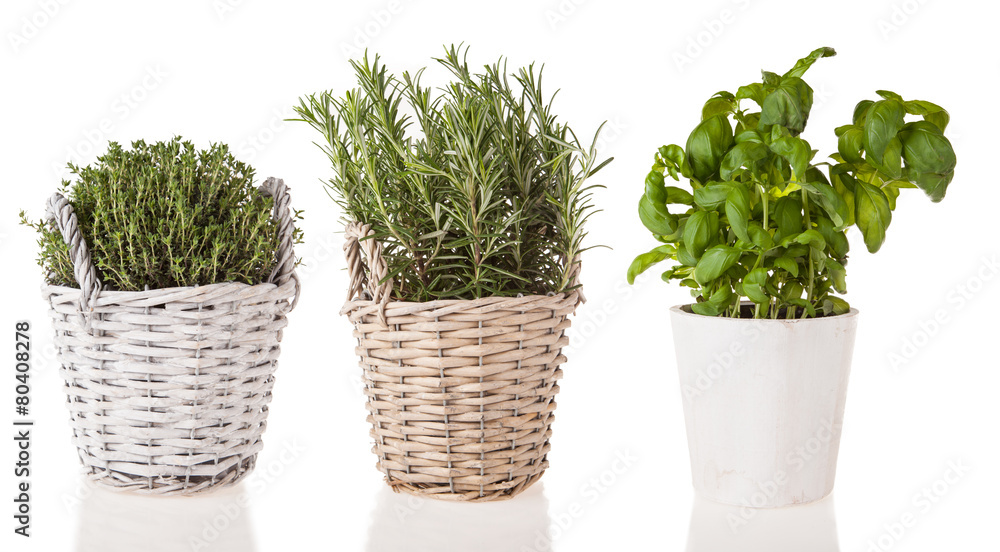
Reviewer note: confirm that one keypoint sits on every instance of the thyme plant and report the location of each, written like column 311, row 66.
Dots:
column 765, row 223
column 478, row 190
column 164, row 215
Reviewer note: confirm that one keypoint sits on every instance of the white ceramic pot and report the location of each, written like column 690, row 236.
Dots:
column 764, row 404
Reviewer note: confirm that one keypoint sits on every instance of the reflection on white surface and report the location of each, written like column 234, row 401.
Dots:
column 114, row 521
column 722, row 528
column 406, row 522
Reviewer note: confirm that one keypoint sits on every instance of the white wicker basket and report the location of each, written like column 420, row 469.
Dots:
column 168, row 388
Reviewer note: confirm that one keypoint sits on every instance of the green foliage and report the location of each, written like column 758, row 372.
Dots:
column 765, row 223
column 489, row 198
column 165, row 215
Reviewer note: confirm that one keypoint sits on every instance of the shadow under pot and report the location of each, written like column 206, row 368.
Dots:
column 763, row 404
column 168, row 389
column 461, row 393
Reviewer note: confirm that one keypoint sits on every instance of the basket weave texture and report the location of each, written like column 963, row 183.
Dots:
column 461, row 393
column 168, row 388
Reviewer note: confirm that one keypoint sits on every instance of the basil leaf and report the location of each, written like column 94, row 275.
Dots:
column 738, row 211
column 796, row 151
column 715, row 262
column 889, row 95
column 686, row 258
column 754, row 284
column 873, row 214
column 788, row 216
column 891, row 166
column 788, row 265
column 830, row 201
column 850, row 144
column 659, row 194
column 646, row 260
column 929, row 157
column 885, row 119
column 931, row 112
column 743, row 154
column 714, row 305
column 656, row 218
column 813, row 238
column 754, row 91
column 920, row 107
column 674, row 160
column 934, row 185
column 939, row 119
column 719, row 104
column 760, row 237
column 836, row 238
column 861, row 112
column 707, row 144
column 835, row 305
column 713, row 195
column 678, row 196
column 654, row 187
column 838, row 275
column 699, row 232
column 788, row 105
column 791, row 290
column 805, row 63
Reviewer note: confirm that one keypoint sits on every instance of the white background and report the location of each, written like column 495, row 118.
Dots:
column 77, row 74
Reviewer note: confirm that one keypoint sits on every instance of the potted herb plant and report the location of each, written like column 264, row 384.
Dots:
column 168, row 279
column 463, row 242
column 765, row 350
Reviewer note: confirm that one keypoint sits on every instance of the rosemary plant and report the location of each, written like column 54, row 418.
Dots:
column 489, row 198
column 164, row 215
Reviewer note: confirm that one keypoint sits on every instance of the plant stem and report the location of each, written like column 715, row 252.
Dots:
column 763, row 198
column 805, row 210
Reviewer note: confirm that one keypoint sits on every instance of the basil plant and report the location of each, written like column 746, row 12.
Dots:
column 761, row 220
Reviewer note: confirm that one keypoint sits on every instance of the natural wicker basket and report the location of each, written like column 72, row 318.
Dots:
column 460, row 392
column 168, row 388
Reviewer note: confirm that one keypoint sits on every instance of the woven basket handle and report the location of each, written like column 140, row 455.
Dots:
column 284, row 270
column 365, row 277
column 59, row 210
column 575, row 279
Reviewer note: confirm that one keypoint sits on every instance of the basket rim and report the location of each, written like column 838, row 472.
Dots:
column 356, row 309
column 154, row 291
column 179, row 294
column 486, row 300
